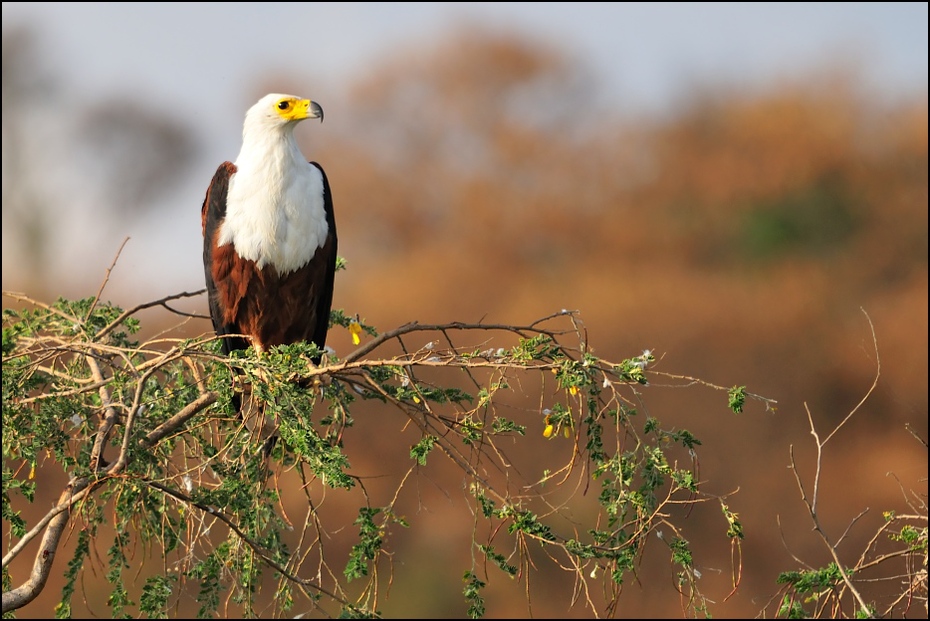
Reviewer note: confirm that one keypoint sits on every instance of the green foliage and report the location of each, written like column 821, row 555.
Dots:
column 81, row 550
column 737, row 398
column 119, row 597
column 169, row 469
column 735, row 529
column 812, row 581
column 808, row 586
column 915, row 537
column 791, row 609
column 27, row 489
column 366, row 550
column 681, row 553
column 420, row 450
column 632, row 370
column 208, row 574
column 156, row 593
column 472, row 594
column 498, row 559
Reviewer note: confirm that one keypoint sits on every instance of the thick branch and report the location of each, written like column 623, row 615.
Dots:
column 56, row 519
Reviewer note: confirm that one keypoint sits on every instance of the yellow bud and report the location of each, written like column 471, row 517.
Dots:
column 355, row 330
column 573, row 390
column 547, row 432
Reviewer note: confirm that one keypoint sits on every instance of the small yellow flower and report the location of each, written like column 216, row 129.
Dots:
column 355, row 329
column 547, row 432
column 573, row 390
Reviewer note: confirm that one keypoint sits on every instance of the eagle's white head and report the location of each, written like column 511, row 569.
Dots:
column 275, row 205
column 279, row 112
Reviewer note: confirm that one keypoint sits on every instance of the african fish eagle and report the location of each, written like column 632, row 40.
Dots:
column 269, row 250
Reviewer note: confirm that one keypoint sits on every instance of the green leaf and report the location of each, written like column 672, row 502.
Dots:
column 737, row 398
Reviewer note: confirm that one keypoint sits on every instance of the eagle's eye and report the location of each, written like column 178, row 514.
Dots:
column 283, row 105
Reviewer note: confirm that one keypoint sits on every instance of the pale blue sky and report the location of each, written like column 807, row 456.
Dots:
column 644, row 53
column 192, row 57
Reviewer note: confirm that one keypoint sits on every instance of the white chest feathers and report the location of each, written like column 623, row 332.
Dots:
column 275, row 213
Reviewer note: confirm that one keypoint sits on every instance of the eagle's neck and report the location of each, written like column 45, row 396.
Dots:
column 275, row 212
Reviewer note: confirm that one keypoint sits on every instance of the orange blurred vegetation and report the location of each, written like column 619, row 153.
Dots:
column 740, row 237
column 480, row 181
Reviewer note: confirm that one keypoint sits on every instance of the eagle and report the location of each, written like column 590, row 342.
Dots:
column 269, row 235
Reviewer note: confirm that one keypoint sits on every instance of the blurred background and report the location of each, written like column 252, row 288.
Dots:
column 728, row 185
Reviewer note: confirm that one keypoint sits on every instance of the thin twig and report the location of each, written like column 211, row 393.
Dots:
column 811, row 503
column 106, row 279
column 160, row 302
column 878, row 373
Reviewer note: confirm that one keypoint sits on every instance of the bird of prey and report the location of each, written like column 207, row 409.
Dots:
column 269, row 234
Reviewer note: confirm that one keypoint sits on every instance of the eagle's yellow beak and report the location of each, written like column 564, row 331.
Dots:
column 299, row 109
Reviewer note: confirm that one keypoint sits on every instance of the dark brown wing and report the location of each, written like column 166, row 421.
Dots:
column 326, row 257
column 216, row 262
